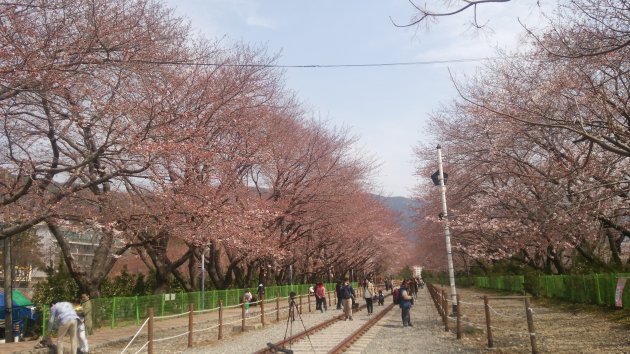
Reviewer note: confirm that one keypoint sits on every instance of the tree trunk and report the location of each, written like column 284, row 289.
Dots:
column 89, row 280
column 156, row 248
column 615, row 250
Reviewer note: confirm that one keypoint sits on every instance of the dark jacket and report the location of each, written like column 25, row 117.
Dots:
column 404, row 299
column 346, row 291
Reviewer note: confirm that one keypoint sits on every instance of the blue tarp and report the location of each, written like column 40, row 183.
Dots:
column 23, row 311
column 22, row 307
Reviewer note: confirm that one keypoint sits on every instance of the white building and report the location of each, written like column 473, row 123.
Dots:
column 417, row 272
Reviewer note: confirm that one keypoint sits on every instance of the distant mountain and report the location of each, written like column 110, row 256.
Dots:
column 405, row 209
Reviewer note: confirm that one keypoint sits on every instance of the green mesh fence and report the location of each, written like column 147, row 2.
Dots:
column 508, row 282
column 123, row 311
column 597, row 289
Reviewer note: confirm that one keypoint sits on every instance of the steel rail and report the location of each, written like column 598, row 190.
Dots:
column 346, row 343
column 296, row 337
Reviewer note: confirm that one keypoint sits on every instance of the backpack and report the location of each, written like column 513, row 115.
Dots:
column 395, row 296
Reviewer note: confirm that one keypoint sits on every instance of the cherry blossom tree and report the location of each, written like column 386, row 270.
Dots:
column 70, row 79
column 550, row 145
column 528, row 191
column 116, row 120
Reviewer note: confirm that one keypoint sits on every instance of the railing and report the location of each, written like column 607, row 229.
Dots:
column 122, row 311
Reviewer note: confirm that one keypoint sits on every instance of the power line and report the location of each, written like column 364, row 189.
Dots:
column 308, row 66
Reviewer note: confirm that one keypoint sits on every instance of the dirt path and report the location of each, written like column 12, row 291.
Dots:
column 558, row 328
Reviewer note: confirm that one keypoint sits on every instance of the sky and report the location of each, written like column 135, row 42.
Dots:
column 386, row 107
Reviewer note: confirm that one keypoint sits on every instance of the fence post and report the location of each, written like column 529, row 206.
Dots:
column 277, row 308
column 150, row 331
column 243, row 316
column 191, row 308
column 137, row 312
column 113, row 313
column 220, row 319
column 598, row 298
column 162, row 296
column 309, row 302
column 459, row 319
column 329, row 302
column 530, row 326
column 300, row 304
column 262, row 309
column 488, row 324
column 445, row 310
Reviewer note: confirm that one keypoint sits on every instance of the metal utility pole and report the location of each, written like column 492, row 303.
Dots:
column 8, row 292
column 447, row 232
column 203, row 279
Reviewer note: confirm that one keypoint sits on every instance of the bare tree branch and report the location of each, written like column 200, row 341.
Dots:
column 425, row 13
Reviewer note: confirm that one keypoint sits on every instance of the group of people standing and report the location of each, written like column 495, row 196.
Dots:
column 73, row 322
column 346, row 296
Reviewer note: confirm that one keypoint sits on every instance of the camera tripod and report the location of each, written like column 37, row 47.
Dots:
column 293, row 309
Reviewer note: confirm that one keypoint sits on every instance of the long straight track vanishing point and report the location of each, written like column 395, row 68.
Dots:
column 332, row 336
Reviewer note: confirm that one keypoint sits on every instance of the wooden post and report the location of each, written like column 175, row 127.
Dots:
column 113, row 313
column 220, row 319
column 309, row 303
column 243, row 317
column 300, row 304
column 459, row 319
column 445, row 310
column 435, row 296
column 437, row 301
column 262, row 309
column 137, row 312
column 150, row 331
column 488, row 323
column 329, row 302
column 161, row 307
column 277, row 308
column 191, row 308
column 530, row 326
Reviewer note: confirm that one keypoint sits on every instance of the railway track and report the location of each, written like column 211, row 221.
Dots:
column 333, row 336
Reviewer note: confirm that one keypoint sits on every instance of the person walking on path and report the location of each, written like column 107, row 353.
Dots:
column 64, row 318
column 347, row 295
column 369, row 292
column 404, row 302
column 86, row 306
column 320, row 297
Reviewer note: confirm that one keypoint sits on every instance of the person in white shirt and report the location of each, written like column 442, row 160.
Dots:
column 64, row 318
column 247, row 298
column 369, row 292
